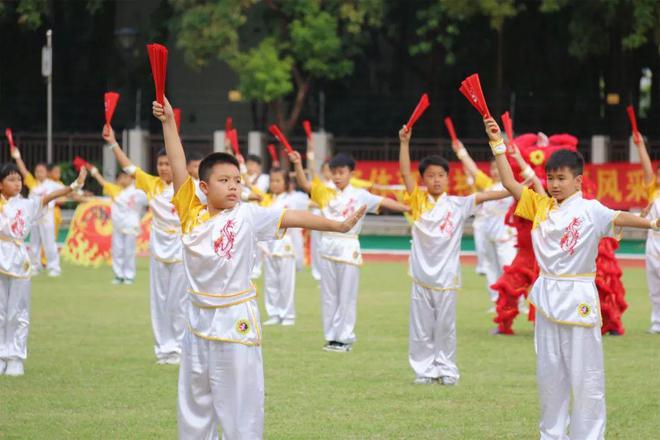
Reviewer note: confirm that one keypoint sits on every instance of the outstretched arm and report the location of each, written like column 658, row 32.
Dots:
column 485, row 196
column 527, row 171
column 307, row 220
column 16, row 155
column 626, row 219
column 76, row 185
column 465, row 158
column 97, row 175
column 173, row 144
column 393, row 205
column 404, row 159
column 499, row 149
column 645, row 160
column 108, row 135
column 301, row 178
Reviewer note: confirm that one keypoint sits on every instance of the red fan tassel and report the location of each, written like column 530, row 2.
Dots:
column 158, row 61
column 422, row 105
column 10, row 138
column 275, row 131
column 308, row 129
column 450, row 128
column 633, row 123
column 110, row 100
column 471, row 89
column 79, row 163
column 233, row 137
column 177, row 118
column 508, row 126
column 273, row 155
column 228, row 125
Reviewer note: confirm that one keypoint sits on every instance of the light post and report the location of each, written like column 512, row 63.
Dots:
column 47, row 72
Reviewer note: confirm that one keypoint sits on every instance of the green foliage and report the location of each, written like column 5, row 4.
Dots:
column 264, row 74
column 30, row 13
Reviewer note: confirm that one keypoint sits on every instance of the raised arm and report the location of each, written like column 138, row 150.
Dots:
column 97, row 175
column 311, row 160
column 645, row 160
column 527, row 172
column 16, row 155
column 111, row 142
column 499, row 150
column 465, row 158
column 301, row 178
column 173, row 144
column 307, row 220
column 64, row 191
column 404, row 159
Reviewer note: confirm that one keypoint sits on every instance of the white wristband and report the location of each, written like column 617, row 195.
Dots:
column 75, row 185
column 498, row 147
column 310, row 155
column 130, row 170
column 112, row 146
column 94, row 171
column 462, row 153
column 655, row 225
column 528, row 173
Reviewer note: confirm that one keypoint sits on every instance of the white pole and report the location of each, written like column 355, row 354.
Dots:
column 49, row 135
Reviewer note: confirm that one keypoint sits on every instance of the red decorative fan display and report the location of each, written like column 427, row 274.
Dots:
column 275, row 131
column 110, row 100
column 422, row 105
column 633, row 123
column 450, row 128
column 158, row 61
column 471, row 89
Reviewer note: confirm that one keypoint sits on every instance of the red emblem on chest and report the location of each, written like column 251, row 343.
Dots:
column 225, row 242
column 571, row 235
column 447, row 225
column 349, row 209
column 18, row 224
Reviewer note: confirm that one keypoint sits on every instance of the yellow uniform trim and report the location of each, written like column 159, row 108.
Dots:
column 589, row 275
column 163, row 260
column 30, row 181
column 224, row 306
column 341, row 261
column 482, row 181
column 437, row 289
column 361, row 183
column 321, row 194
column 111, row 189
column 233, row 341
column 223, row 295
column 556, row 321
column 419, row 202
column 151, row 185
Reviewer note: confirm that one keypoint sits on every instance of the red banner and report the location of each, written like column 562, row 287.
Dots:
column 618, row 185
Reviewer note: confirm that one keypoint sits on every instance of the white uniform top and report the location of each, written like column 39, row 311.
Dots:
column 339, row 205
column 436, row 238
column 17, row 215
column 127, row 207
column 165, row 240
column 490, row 216
column 653, row 238
column 565, row 238
column 288, row 200
column 218, row 255
column 40, row 189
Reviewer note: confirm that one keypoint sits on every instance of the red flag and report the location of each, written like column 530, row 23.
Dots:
column 10, row 138
column 508, row 126
column 275, row 131
column 158, row 61
column 233, row 137
column 633, row 123
column 450, row 128
column 308, row 129
column 110, row 100
column 228, row 125
column 177, row 118
column 273, row 155
column 471, row 89
column 422, row 105
column 79, row 162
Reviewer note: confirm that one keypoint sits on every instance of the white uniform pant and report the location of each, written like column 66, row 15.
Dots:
column 123, row 255
column 432, row 338
column 314, row 243
column 43, row 234
column 280, row 286
column 169, row 286
column 653, row 283
column 14, row 317
column 220, row 383
column 496, row 255
column 569, row 361
column 479, row 234
column 258, row 264
column 339, row 289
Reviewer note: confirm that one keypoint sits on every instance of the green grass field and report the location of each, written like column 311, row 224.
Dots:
column 91, row 371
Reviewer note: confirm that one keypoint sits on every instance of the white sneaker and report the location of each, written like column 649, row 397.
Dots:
column 53, row 274
column 173, row 359
column 273, row 321
column 128, row 281
column 14, row 367
column 288, row 322
column 116, row 280
column 424, row 380
column 653, row 331
column 447, row 380
column 3, row 365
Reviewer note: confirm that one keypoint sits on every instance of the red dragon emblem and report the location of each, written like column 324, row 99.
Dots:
column 18, row 224
column 225, row 243
column 349, row 209
column 446, row 224
column 131, row 202
column 571, row 235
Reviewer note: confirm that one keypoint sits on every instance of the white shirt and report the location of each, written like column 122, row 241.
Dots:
column 43, row 189
column 17, row 215
column 128, row 205
column 290, row 200
column 653, row 237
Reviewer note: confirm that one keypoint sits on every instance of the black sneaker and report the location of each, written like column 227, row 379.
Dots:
column 340, row 347
column 330, row 346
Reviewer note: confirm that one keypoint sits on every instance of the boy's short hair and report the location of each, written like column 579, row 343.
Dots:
column 342, row 160
column 433, row 160
column 253, row 158
column 284, row 172
column 162, row 152
column 51, row 166
column 7, row 169
column 41, row 164
column 566, row 159
column 121, row 172
column 212, row 160
column 193, row 156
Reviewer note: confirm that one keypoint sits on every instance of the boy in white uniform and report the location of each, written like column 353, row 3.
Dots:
column 341, row 255
column 17, row 216
column 167, row 280
column 43, row 231
column 435, row 264
column 128, row 204
column 221, row 375
column 565, row 234
column 652, row 212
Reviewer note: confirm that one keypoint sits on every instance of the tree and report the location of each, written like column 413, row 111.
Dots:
column 30, row 13
column 299, row 42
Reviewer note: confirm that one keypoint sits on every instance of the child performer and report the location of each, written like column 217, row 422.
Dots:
column 566, row 231
column 653, row 239
column 435, row 264
column 17, row 216
column 43, row 230
column 255, row 175
column 280, row 255
column 221, row 375
column 128, row 204
column 167, row 280
column 341, row 256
